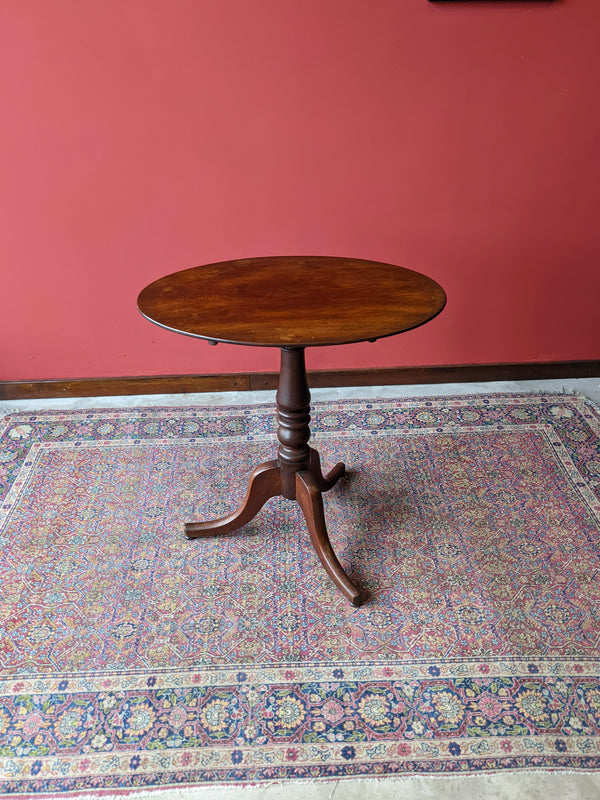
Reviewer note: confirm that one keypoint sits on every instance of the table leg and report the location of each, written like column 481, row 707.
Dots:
column 310, row 499
column 264, row 484
column 329, row 481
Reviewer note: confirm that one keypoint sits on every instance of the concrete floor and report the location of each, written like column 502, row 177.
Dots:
column 500, row 786
column 587, row 386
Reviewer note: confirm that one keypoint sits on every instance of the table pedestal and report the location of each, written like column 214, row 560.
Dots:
column 295, row 474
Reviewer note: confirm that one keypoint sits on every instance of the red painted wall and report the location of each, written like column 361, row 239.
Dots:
column 143, row 136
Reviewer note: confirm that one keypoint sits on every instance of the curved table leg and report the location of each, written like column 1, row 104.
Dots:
column 309, row 497
column 264, row 483
column 324, row 483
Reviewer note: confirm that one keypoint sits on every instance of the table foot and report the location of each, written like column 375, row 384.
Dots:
column 308, row 495
column 324, row 484
column 265, row 482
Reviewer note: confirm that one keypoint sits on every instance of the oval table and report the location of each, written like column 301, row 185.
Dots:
column 292, row 302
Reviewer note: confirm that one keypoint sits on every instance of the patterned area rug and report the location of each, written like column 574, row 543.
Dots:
column 131, row 657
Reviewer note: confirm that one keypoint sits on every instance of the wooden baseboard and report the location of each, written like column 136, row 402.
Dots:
column 238, row 382
column 104, row 387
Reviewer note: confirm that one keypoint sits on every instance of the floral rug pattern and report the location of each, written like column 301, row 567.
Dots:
column 131, row 657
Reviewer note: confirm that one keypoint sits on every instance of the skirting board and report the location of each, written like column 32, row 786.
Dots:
column 239, row 382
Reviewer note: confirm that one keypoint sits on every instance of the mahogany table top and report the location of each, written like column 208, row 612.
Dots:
column 292, row 301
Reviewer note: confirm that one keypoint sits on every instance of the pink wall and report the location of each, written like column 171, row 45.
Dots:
column 143, row 136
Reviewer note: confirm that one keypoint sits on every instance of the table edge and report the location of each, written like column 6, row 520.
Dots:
column 296, row 345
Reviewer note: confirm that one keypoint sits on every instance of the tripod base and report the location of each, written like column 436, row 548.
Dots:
column 265, row 482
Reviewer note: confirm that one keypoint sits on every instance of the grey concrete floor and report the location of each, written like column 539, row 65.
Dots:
column 498, row 786
column 586, row 386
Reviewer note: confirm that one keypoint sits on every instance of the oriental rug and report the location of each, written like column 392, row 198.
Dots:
column 133, row 658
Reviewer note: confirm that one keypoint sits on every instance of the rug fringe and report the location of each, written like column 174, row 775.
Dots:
column 501, row 785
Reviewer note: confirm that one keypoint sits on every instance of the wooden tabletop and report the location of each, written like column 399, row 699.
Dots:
column 292, row 301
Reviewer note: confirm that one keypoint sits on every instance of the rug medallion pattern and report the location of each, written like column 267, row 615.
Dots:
column 131, row 657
